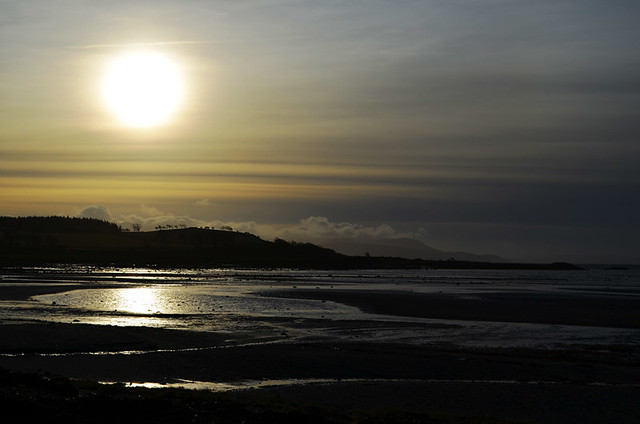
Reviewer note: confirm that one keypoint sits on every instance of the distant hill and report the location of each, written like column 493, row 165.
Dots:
column 82, row 240
column 402, row 247
column 57, row 224
column 55, row 240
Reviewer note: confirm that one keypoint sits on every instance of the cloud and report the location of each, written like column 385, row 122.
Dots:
column 95, row 211
column 148, row 211
column 315, row 229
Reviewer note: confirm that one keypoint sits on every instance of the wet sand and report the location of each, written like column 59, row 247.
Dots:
column 587, row 309
column 18, row 292
column 395, row 382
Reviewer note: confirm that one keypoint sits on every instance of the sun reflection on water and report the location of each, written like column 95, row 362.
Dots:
column 140, row 300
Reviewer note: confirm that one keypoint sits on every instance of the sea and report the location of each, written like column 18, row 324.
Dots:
column 246, row 301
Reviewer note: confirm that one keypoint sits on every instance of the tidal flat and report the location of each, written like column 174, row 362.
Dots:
column 310, row 346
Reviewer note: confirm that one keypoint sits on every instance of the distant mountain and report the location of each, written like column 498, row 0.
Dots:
column 403, row 248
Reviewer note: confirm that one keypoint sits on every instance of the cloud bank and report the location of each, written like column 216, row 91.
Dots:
column 95, row 211
column 315, row 229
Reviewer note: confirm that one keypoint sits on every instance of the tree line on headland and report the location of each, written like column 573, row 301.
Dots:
column 37, row 240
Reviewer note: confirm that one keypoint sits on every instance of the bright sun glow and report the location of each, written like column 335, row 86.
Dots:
column 143, row 89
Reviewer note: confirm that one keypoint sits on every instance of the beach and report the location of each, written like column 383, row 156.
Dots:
column 280, row 377
column 508, row 386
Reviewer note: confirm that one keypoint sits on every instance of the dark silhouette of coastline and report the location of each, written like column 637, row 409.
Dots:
column 28, row 241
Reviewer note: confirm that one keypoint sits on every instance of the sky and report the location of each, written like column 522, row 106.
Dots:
column 500, row 127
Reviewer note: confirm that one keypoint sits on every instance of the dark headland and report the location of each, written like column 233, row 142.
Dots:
column 61, row 240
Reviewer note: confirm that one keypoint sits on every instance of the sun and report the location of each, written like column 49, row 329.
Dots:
column 143, row 89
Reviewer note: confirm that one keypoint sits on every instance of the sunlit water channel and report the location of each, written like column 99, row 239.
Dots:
column 230, row 300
